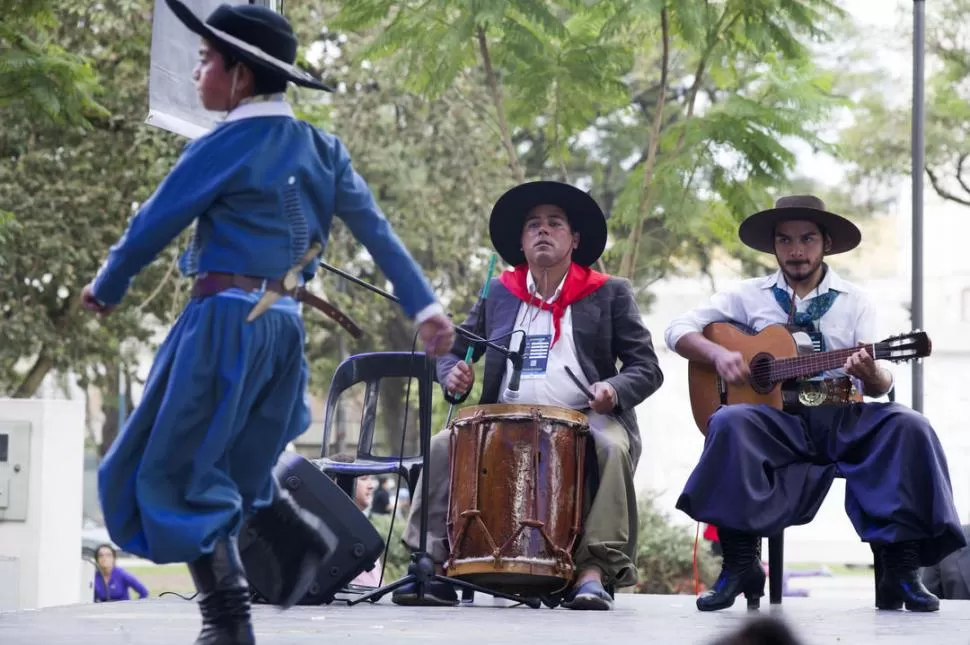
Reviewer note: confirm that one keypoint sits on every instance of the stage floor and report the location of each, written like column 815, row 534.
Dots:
column 637, row 619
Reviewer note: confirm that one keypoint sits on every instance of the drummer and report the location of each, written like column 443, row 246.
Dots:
column 565, row 315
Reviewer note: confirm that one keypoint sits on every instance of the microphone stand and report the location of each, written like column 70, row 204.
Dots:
column 421, row 570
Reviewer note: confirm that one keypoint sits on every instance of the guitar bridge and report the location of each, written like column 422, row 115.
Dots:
column 722, row 389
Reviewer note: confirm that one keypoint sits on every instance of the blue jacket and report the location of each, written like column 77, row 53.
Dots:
column 261, row 187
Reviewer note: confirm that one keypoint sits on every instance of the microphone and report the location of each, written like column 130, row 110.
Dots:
column 517, row 358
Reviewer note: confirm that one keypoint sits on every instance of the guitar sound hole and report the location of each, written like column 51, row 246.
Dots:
column 760, row 367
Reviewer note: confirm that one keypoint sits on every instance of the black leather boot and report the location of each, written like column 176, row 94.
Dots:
column 741, row 572
column 900, row 584
column 223, row 597
column 296, row 539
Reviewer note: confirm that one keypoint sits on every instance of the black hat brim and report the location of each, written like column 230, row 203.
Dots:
column 758, row 230
column 251, row 55
column 584, row 215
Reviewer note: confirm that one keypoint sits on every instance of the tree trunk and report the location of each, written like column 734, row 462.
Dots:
column 399, row 333
column 109, row 408
column 42, row 365
column 110, row 428
column 495, row 91
column 628, row 264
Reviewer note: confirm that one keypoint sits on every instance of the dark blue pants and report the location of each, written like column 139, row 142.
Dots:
column 763, row 470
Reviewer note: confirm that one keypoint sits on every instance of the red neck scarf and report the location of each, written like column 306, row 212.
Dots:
column 580, row 282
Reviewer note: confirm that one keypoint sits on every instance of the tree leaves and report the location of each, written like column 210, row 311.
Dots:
column 878, row 144
column 568, row 74
column 37, row 74
column 71, row 191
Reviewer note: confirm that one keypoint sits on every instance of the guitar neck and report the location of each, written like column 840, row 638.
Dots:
column 811, row 364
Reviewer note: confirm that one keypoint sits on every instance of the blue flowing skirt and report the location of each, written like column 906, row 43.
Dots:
column 223, row 399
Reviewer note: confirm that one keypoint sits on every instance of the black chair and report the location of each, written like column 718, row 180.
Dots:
column 371, row 369
column 776, row 552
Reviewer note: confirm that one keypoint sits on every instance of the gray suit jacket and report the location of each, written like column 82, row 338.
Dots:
column 607, row 326
column 950, row 578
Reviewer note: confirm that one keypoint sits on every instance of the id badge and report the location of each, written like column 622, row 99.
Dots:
column 536, row 356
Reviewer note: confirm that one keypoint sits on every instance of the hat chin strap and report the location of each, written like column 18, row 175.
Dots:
column 233, row 103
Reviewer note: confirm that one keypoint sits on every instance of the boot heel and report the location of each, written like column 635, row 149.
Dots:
column 755, row 587
column 888, row 601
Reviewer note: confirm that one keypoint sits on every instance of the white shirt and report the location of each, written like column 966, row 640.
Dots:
column 554, row 387
column 850, row 320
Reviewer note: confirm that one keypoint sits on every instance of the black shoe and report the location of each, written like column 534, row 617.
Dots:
column 741, row 572
column 436, row 593
column 900, row 584
column 295, row 537
column 223, row 597
column 589, row 596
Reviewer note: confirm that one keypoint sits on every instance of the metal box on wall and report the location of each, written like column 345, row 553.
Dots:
column 14, row 470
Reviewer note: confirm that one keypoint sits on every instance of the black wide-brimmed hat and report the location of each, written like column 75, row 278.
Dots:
column 758, row 230
column 584, row 214
column 255, row 34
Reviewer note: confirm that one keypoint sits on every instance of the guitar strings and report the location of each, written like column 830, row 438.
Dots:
column 783, row 366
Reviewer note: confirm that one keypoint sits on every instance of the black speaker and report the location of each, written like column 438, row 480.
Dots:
column 354, row 543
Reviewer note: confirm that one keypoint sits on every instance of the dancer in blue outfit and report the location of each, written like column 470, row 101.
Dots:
column 225, row 394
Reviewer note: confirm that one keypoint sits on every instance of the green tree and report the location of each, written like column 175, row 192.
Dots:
column 878, row 143
column 72, row 191
column 435, row 171
column 38, row 74
column 716, row 144
column 573, row 85
column 435, row 168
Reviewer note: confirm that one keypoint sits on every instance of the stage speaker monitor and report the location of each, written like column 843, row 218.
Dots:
column 355, row 545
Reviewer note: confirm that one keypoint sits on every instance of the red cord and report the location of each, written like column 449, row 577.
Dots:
column 697, row 578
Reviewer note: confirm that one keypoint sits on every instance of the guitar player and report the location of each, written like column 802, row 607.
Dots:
column 763, row 469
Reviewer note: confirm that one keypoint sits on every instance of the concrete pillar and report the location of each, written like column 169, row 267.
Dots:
column 41, row 491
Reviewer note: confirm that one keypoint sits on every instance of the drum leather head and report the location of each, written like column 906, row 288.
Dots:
column 511, row 411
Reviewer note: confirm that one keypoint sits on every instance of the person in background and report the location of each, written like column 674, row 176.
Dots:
column 382, row 496
column 403, row 501
column 364, row 498
column 364, row 494
column 112, row 583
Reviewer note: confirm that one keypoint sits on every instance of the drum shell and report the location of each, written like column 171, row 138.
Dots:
column 516, row 496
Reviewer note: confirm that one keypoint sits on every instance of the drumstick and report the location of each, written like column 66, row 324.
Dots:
column 579, row 384
column 470, row 351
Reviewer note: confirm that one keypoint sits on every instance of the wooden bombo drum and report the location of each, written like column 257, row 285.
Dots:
column 516, row 496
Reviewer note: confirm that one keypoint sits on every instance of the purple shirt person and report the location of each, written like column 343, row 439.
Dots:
column 112, row 583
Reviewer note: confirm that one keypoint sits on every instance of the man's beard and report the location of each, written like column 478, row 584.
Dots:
column 800, row 271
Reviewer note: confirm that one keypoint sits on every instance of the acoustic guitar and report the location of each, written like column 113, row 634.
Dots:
column 773, row 358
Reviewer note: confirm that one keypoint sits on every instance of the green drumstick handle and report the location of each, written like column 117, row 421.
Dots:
column 481, row 296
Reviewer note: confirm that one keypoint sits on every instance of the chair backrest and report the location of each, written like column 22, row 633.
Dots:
column 371, row 369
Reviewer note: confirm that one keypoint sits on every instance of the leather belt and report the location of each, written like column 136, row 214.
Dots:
column 208, row 284
column 832, row 391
